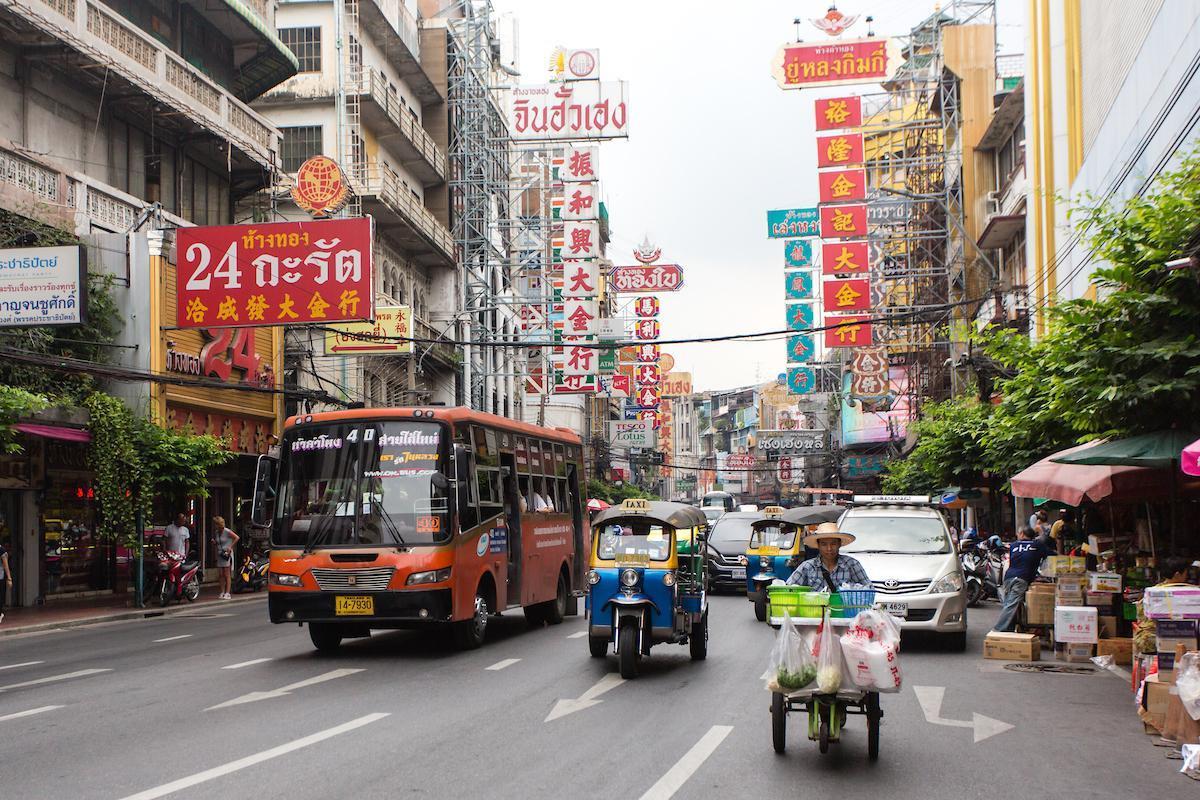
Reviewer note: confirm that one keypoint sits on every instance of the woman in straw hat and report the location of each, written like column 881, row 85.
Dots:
column 830, row 570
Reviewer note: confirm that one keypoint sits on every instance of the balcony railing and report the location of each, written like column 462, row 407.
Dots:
column 443, row 350
column 381, row 182
column 376, row 89
column 100, row 34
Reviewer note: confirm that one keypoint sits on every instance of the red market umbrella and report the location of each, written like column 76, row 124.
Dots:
column 1074, row 483
column 596, row 504
column 1189, row 459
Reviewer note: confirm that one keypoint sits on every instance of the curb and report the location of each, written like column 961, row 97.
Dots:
column 131, row 614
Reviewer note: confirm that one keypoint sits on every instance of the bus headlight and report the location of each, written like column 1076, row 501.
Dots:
column 629, row 577
column 593, row 577
column 431, row 576
column 668, row 579
column 284, row 580
column 948, row 583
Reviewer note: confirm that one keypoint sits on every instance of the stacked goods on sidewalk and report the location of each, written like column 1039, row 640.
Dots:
column 1168, row 680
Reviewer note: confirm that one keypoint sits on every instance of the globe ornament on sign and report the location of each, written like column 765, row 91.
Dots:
column 321, row 187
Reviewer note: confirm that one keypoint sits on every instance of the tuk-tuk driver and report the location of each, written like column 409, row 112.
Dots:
column 830, row 570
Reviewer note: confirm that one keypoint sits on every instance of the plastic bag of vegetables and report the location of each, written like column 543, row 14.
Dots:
column 828, row 652
column 792, row 666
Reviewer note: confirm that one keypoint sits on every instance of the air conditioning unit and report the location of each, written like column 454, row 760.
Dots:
column 993, row 202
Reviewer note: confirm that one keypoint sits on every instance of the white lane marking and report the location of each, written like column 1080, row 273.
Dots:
column 588, row 699
column 253, row 697
column 499, row 665
column 257, row 758
column 28, row 713
column 173, row 638
column 79, row 674
column 23, row 664
column 247, row 663
column 578, row 635
column 684, row 768
column 930, row 698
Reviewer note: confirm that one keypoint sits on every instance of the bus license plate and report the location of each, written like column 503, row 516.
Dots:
column 897, row 609
column 356, row 605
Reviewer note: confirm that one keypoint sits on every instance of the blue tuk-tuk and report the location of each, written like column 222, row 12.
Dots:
column 776, row 547
column 645, row 589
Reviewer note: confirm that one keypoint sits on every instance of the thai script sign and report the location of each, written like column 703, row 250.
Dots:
column 593, row 110
column 793, row 442
column 677, row 384
column 647, row 278
column 43, row 286
column 280, row 273
column 786, row 223
column 802, row 65
column 389, row 334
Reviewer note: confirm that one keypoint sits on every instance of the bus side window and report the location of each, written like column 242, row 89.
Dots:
column 468, row 515
column 523, row 488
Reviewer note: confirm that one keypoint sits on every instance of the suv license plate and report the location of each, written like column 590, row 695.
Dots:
column 897, row 609
column 739, row 574
column 355, row 605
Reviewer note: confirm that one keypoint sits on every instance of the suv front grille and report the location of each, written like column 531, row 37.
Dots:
column 353, row 580
column 900, row 587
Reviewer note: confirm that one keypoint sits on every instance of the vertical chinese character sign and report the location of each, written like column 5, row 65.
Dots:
column 580, row 272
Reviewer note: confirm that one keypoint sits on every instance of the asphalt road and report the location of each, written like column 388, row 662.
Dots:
column 145, row 709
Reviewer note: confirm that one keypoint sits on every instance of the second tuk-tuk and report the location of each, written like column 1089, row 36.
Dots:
column 776, row 548
column 644, row 588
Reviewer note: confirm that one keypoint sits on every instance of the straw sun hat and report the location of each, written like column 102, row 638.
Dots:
column 827, row 530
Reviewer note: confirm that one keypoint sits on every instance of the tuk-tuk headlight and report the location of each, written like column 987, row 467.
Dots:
column 764, row 563
column 668, row 579
column 593, row 577
column 629, row 577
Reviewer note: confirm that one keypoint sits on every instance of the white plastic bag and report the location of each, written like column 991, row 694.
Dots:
column 871, row 647
column 792, row 666
column 829, row 660
column 1187, row 681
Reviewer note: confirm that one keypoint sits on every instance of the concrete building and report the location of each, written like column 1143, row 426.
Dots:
column 1110, row 97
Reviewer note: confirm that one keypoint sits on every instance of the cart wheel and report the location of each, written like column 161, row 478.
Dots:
column 823, row 734
column 873, row 719
column 778, row 721
column 760, row 609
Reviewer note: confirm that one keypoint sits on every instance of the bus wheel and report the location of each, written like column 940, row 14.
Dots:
column 326, row 636
column 556, row 610
column 468, row 634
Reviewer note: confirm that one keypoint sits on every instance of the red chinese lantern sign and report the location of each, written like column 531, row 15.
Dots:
column 843, row 222
column 647, row 354
column 799, row 65
column 840, row 150
column 647, row 329
column 844, row 258
column 848, row 332
column 834, row 113
column 648, row 375
column 280, row 273
column 646, row 307
column 847, row 295
column 842, row 186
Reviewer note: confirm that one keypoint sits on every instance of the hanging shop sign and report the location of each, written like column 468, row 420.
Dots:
column 646, row 307
column 580, row 360
column 574, row 65
column 579, row 316
column 647, row 329
column 581, row 201
column 801, row 380
column 647, row 396
column 389, row 334
column 779, row 443
column 840, row 150
column 800, row 348
column 847, row 295
column 581, row 278
column 321, row 187
column 645, row 353
column 579, row 164
column 844, row 258
column 239, row 433
column 785, row 223
column 635, row 433
column 618, row 386
column 666, row 362
column 797, row 254
column 835, row 113
column 842, row 185
column 607, row 360
column 886, row 213
column 869, row 374
column 799, row 316
column 647, row 375
column 798, row 285
column 581, row 240
column 677, row 384
column 43, row 286
column 647, row 278
column 575, row 384
column 804, row 65
column 571, row 111
column 843, row 222
column 848, row 332
column 281, row 273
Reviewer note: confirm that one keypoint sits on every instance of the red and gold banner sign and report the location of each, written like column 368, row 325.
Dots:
column 801, row 65
column 840, row 150
column 835, row 113
column 842, row 185
column 843, row 222
column 848, row 332
column 844, row 258
column 847, row 295
column 275, row 274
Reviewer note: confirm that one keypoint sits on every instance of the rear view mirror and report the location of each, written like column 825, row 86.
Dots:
column 262, row 508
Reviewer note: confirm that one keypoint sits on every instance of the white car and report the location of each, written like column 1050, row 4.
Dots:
column 904, row 545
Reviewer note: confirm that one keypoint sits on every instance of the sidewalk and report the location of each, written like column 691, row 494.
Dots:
column 114, row 608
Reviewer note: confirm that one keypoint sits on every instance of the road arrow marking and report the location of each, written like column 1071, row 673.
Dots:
column 53, row 678
column 684, row 768
column 28, row 713
column 586, row 700
column 282, row 691
column 930, row 698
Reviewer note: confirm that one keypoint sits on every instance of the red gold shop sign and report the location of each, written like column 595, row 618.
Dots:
column 840, row 150
column 847, row 295
column 843, row 222
column 848, row 332
column 842, row 185
column 844, row 258
column 240, row 434
column 835, row 113
column 802, row 65
column 281, row 273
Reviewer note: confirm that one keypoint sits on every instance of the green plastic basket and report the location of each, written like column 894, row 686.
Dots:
column 785, row 598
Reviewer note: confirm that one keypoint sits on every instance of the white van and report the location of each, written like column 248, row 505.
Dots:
column 904, row 545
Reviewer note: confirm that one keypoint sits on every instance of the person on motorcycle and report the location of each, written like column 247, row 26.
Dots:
column 830, row 570
column 1024, row 557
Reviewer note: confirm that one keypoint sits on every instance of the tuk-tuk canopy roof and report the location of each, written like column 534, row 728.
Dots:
column 674, row 515
column 813, row 515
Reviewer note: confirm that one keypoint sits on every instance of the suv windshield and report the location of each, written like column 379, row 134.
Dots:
column 363, row 483
column 731, row 534
column 895, row 533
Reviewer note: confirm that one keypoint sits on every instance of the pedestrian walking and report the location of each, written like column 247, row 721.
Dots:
column 225, row 540
column 1024, row 556
column 5, row 579
column 176, row 536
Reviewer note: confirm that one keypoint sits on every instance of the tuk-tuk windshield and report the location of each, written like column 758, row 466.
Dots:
column 633, row 538
column 783, row 537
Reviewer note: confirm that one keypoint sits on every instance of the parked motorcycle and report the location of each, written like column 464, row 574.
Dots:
column 252, row 575
column 983, row 569
column 177, row 579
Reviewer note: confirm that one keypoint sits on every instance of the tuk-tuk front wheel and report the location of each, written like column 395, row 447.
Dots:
column 698, row 638
column 598, row 646
column 627, row 648
column 760, row 607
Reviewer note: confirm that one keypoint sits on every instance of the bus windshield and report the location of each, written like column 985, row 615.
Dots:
column 363, row 483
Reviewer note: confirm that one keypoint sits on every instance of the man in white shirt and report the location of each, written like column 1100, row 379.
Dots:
column 177, row 536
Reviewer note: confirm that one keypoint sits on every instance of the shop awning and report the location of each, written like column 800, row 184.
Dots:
column 1158, row 450
column 53, row 432
column 1073, row 483
column 1190, row 456
column 1000, row 230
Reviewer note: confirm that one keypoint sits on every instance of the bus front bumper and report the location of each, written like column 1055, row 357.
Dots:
column 391, row 609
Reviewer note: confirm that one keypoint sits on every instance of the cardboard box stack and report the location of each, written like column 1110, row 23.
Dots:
column 1039, row 604
column 1169, row 635
column 1012, row 646
column 1076, row 630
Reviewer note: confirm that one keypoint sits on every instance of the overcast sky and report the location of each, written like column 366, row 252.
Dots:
column 714, row 143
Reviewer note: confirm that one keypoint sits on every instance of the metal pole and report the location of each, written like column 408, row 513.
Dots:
column 138, row 600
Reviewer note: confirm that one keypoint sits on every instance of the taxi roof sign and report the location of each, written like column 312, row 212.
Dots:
column 894, row 499
column 773, row 511
column 635, row 504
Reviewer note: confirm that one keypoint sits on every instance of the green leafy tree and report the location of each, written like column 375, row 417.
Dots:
column 16, row 403
column 949, row 448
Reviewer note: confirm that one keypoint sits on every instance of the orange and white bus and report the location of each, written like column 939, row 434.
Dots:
column 393, row 518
